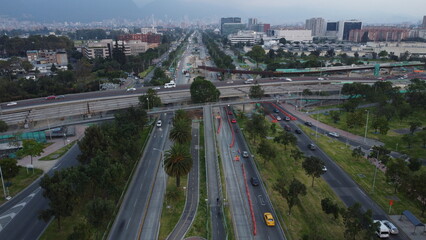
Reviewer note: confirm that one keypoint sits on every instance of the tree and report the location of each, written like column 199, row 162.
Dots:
column 256, row 126
column 422, row 136
column 383, row 53
column 296, row 154
column 9, row 167
column 295, row 190
column 99, row 211
column 307, row 92
column 329, row 207
column 357, row 153
column 3, row 126
column 357, row 222
column 286, row 138
column 313, row 167
column 203, row 91
column 414, row 126
column 266, row 150
column 355, row 119
column 419, row 190
column 257, row 53
column 181, row 131
column 351, row 105
column 31, row 147
column 177, row 161
column 396, row 173
column 53, row 68
column 335, row 115
column 414, row 164
column 380, row 152
column 150, row 100
column 256, row 92
column 273, row 128
column 92, row 142
column 409, row 139
column 283, row 41
column 61, row 195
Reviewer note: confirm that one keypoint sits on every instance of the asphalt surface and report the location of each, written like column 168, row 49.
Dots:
column 192, row 189
column 341, row 183
column 214, row 186
column 19, row 216
column 132, row 214
column 259, row 197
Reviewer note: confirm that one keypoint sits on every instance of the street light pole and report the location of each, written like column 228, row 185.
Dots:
column 366, row 127
column 2, row 182
column 147, row 99
column 375, row 171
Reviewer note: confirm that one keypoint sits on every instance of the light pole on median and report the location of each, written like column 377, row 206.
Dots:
column 366, row 127
column 375, row 172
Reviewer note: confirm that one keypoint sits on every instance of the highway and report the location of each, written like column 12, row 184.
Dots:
column 259, row 197
column 214, row 185
column 341, row 183
column 19, row 216
column 133, row 211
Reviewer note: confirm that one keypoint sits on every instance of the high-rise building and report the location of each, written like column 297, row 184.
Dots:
column 230, row 28
column 317, row 25
column 345, row 28
column 331, row 29
column 251, row 22
column 424, row 22
column 228, row 20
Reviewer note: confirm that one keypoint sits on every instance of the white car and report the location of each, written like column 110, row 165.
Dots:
column 288, row 79
column 11, row 104
column 334, row 134
column 131, row 89
column 320, row 78
column 278, row 118
column 159, row 123
column 392, row 228
column 156, row 88
column 324, row 168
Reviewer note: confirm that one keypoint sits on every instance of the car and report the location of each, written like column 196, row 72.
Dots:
column 324, row 168
column 159, row 123
column 312, row 146
column 269, row 219
column 156, row 88
column 278, row 118
column 233, row 121
column 254, row 181
column 287, row 119
column 333, row 134
column 60, row 97
column 287, row 128
column 276, row 110
column 11, row 104
column 298, row 131
column 288, row 79
column 248, row 81
column 392, row 228
column 229, row 112
column 131, row 89
column 382, row 231
column 320, row 78
column 52, row 97
column 309, row 124
column 245, row 154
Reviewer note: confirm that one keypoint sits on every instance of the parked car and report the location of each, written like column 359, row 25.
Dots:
column 276, row 110
column 287, row 119
column 312, row 146
column 309, row 124
column 278, row 118
column 334, row 134
column 254, row 181
column 298, row 131
column 382, row 231
column 392, row 228
column 269, row 219
column 50, row 97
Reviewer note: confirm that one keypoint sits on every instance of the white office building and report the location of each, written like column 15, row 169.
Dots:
column 317, row 25
column 251, row 37
column 294, row 35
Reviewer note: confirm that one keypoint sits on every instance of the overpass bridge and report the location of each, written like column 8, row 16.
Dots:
column 35, row 113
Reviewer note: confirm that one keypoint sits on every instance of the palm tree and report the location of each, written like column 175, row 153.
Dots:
column 177, row 161
column 181, row 131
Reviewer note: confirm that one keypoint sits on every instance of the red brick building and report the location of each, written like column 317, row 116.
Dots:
column 148, row 38
column 379, row 34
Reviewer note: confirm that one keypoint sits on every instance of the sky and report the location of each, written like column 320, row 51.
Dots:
column 279, row 11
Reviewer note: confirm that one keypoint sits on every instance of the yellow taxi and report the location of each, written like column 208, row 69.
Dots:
column 269, row 220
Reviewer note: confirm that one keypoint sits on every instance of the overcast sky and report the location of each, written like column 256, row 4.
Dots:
column 279, row 11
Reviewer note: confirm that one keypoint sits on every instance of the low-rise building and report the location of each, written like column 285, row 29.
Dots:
column 250, row 37
column 294, row 34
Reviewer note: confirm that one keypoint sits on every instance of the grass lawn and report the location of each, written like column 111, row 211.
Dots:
column 144, row 73
column 201, row 224
column 392, row 139
column 58, row 153
column 174, row 203
column 21, row 181
column 306, row 219
column 362, row 171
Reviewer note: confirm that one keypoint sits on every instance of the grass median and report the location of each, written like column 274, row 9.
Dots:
column 58, row 153
column 362, row 172
column 307, row 220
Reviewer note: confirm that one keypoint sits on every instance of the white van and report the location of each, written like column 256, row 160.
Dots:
column 382, row 231
column 170, row 85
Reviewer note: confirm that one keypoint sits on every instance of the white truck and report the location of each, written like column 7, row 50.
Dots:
column 171, row 84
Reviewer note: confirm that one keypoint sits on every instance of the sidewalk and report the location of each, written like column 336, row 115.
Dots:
column 57, row 143
column 306, row 118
